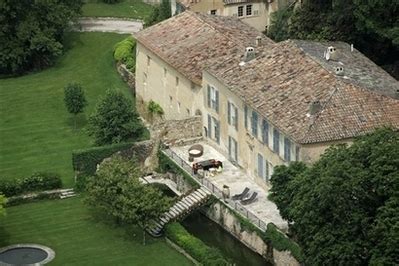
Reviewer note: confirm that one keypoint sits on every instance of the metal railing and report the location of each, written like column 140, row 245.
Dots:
column 202, row 180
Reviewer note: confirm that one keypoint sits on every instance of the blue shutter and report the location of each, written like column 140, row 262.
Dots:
column 236, row 117
column 209, row 95
column 297, row 153
column 217, row 101
column 287, row 149
column 260, row 165
column 209, row 127
column 217, row 131
column 230, row 146
column 276, row 141
column 265, row 132
column 267, row 170
column 235, row 151
column 246, row 116
column 229, row 113
column 254, row 124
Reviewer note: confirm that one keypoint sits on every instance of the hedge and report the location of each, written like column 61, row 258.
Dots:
column 193, row 246
column 36, row 182
column 85, row 161
column 21, row 200
column 168, row 165
column 124, row 51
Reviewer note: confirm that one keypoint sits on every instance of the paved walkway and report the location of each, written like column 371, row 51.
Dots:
column 237, row 180
column 122, row 26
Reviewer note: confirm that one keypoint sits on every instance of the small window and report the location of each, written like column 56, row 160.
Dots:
column 213, row 12
column 233, row 152
column 188, row 111
column 165, row 72
column 249, row 10
column 178, row 106
column 170, row 99
column 213, row 98
column 148, row 61
column 232, row 113
column 254, row 124
column 177, row 81
column 240, row 11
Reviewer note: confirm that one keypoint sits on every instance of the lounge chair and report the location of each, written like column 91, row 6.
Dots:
column 250, row 199
column 241, row 195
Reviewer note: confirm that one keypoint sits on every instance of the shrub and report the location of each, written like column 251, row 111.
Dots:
column 124, row 50
column 36, row 182
column 85, row 161
column 194, row 246
column 41, row 196
column 111, row 1
column 155, row 108
column 131, row 64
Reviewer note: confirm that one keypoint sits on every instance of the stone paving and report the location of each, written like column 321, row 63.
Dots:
column 237, row 180
column 122, row 26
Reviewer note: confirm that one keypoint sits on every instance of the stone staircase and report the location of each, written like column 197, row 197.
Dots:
column 67, row 193
column 179, row 210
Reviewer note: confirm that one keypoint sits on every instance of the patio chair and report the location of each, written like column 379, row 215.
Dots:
column 250, row 199
column 241, row 195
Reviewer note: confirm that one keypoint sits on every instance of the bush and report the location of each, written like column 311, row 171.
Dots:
column 194, row 246
column 155, row 108
column 124, row 50
column 41, row 196
column 85, row 161
column 36, row 182
column 131, row 64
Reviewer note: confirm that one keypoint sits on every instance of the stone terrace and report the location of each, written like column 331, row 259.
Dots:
column 237, row 180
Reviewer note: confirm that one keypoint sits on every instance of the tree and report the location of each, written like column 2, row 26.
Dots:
column 3, row 201
column 32, row 32
column 345, row 207
column 117, row 191
column 165, row 10
column 74, row 99
column 114, row 120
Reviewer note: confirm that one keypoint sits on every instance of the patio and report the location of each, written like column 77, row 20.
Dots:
column 232, row 176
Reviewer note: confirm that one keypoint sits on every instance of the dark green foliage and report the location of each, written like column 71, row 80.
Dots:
column 40, row 196
column 114, row 120
column 154, row 109
column 31, row 32
column 280, row 193
column 125, row 52
column 85, row 161
column 36, row 182
column 3, row 202
column 159, row 13
column 373, row 26
column 168, row 165
column 74, row 99
column 111, row 1
column 345, row 207
column 194, row 246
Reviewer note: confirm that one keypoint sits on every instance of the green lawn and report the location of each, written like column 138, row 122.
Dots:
column 36, row 132
column 135, row 9
column 67, row 227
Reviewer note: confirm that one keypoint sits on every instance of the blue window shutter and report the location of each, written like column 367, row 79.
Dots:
column 267, row 170
column 217, row 133
column 209, row 126
column 236, row 117
column 209, row 96
column 297, row 153
column 260, row 165
column 287, row 149
column 276, row 141
column 229, row 113
column 246, row 116
column 254, row 124
column 235, row 151
column 230, row 146
column 265, row 132
column 217, row 101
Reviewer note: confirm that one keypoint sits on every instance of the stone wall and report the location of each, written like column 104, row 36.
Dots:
column 128, row 77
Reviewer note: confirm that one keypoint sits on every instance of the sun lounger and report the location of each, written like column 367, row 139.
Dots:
column 241, row 195
column 250, row 199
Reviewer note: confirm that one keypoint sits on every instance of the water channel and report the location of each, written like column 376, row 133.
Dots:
column 215, row 236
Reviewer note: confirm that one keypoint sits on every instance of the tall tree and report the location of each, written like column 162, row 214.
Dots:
column 117, row 191
column 75, row 100
column 31, row 32
column 114, row 120
column 344, row 207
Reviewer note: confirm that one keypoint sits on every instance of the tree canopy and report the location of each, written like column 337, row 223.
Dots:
column 114, row 120
column 372, row 26
column 31, row 32
column 74, row 98
column 344, row 208
column 117, row 191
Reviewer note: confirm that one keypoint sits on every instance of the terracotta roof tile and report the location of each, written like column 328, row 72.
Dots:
column 189, row 39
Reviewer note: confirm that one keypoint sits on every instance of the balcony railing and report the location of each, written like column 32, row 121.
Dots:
column 202, row 180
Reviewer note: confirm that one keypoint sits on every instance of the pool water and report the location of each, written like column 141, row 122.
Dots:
column 23, row 255
column 214, row 235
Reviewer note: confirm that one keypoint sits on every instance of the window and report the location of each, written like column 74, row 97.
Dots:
column 249, row 10
column 263, row 168
column 213, row 129
column 287, row 149
column 178, row 106
column 188, row 111
column 148, row 61
column 213, row 12
column 213, row 98
column 232, row 114
column 297, row 153
column 233, row 152
column 254, row 124
column 240, row 11
column 260, row 165
column 170, row 99
column 276, row 141
column 271, row 171
column 177, row 81
column 265, row 132
column 165, row 72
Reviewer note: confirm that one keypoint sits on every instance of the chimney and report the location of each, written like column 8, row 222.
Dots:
column 331, row 53
column 352, row 47
column 258, row 41
column 339, row 71
column 314, row 107
column 249, row 54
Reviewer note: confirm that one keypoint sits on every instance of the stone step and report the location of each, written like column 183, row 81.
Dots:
column 67, row 193
column 67, row 196
column 182, row 205
column 189, row 200
column 201, row 192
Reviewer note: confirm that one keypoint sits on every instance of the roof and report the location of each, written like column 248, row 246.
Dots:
column 188, row 40
column 283, row 81
column 188, row 3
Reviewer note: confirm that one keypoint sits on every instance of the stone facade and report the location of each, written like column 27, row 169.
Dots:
column 128, row 77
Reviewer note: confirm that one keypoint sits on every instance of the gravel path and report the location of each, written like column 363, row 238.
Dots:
column 121, row 26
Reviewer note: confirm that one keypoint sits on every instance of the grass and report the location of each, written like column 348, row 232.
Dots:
column 135, row 9
column 36, row 131
column 77, row 238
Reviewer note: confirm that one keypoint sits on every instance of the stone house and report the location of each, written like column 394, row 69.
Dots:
column 256, row 13
column 262, row 103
